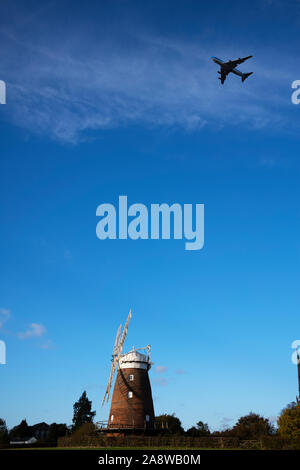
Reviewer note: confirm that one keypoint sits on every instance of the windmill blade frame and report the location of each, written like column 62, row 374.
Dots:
column 108, row 388
column 117, row 351
column 122, row 340
column 116, row 345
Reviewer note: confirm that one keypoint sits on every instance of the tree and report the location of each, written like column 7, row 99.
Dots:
column 168, row 424
column 289, row 422
column 3, row 433
column 56, row 431
column 20, row 431
column 82, row 411
column 200, row 430
column 87, row 429
column 223, row 433
column 252, row 426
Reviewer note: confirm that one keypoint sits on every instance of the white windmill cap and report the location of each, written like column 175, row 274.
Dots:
column 134, row 360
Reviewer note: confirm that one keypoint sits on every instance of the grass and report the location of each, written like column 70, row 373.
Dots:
column 121, row 448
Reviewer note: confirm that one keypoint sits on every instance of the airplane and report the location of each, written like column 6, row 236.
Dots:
column 230, row 66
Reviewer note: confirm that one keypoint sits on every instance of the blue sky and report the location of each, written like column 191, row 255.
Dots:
column 109, row 99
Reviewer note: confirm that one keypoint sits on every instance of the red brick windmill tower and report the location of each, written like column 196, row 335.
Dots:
column 132, row 404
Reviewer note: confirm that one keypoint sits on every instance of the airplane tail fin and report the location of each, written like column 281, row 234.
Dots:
column 246, row 75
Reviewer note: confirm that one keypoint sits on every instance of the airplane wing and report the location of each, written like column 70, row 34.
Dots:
column 223, row 75
column 238, row 61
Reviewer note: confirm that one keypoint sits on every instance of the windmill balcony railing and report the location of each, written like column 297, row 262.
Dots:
column 106, row 425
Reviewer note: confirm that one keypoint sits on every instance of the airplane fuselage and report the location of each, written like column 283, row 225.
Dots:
column 227, row 67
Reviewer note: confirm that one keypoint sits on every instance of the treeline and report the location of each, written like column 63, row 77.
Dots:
column 249, row 427
column 45, row 434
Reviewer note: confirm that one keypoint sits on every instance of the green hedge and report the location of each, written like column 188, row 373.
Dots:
column 96, row 440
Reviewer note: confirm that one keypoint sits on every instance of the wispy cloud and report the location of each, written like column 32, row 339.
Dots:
column 48, row 344
column 160, row 369
column 4, row 316
column 64, row 93
column 34, row 330
column 226, row 423
column 180, row 371
column 161, row 381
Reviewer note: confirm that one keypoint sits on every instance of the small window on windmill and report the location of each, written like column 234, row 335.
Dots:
column 147, row 418
column 112, row 418
column 130, row 395
column 131, row 378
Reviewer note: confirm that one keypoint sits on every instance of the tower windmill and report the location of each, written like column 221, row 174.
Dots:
column 132, row 404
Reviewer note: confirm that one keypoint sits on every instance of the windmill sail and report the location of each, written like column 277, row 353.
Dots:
column 122, row 340
column 117, row 351
column 107, row 391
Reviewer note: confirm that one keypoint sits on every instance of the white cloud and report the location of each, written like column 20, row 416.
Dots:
column 34, row 330
column 4, row 316
column 161, row 381
column 5, row 312
column 48, row 344
column 160, row 369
